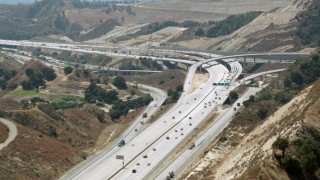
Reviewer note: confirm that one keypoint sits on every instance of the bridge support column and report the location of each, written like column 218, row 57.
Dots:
column 254, row 60
column 187, row 67
column 245, row 60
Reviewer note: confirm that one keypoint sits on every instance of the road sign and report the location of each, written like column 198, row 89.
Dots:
column 119, row 157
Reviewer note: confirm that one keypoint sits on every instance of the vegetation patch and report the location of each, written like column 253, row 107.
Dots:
column 32, row 92
column 309, row 29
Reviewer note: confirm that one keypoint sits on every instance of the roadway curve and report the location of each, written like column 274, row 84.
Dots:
column 181, row 162
column 159, row 97
column 12, row 132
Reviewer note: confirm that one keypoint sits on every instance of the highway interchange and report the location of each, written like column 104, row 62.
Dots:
column 145, row 151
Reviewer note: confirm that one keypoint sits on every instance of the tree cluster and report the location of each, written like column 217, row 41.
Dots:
column 119, row 82
column 300, row 159
column 304, row 72
column 233, row 96
column 37, row 76
column 175, row 94
column 309, row 29
column 121, row 108
column 95, row 93
column 150, row 64
column 227, row 26
column 6, row 75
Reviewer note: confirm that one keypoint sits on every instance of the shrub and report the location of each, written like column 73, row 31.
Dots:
column 283, row 97
column 119, row 82
column 67, row 70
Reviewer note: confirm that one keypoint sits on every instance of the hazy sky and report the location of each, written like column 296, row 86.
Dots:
column 15, row 1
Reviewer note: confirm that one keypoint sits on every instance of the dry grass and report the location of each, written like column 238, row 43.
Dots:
column 4, row 134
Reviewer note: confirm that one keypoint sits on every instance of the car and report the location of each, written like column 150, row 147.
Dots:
column 134, row 171
column 173, row 117
column 195, row 98
column 190, row 124
column 205, row 106
column 190, row 117
column 179, row 111
column 145, row 156
column 175, row 130
column 238, row 104
column 234, row 109
column 168, row 137
column 148, row 164
column 121, row 143
column 181, row 129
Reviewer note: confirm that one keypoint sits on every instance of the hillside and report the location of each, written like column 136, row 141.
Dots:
column 245, row 149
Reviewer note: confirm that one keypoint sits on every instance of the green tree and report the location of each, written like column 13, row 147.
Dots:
column 110, row 96
column 3, row 84
column 26, row 85
column 262, row 113
column 283, row 97
column 291, row 165
column 297, row 78
column 29, row 72
column 287, row 82
column 281, row 144
column 234, row 95
column 179, row 88
column 119, row 82
column 199, row 32
column 67, row 70
column 48, row 74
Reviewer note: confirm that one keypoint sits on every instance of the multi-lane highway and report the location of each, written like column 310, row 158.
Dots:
column 144, row 152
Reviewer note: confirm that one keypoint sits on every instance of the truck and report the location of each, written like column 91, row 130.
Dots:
column 121, row 143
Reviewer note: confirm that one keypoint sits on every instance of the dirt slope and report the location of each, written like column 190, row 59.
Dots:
column 271, row 31
column 251, row 156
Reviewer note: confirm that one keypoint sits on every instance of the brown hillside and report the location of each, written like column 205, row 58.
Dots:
column 8, row 63
column 33, row 155
column 170, row 78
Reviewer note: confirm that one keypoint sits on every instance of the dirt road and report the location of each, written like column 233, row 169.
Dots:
column 12, row 132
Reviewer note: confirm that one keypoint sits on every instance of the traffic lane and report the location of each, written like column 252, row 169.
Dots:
column 213, row 130
column 165, row 146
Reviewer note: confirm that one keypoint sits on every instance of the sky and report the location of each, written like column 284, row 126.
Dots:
column 15, row 1
column 31, row 1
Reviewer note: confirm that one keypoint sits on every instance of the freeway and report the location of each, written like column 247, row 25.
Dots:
column 159, row 97
column 160, row 150
column 180, row 163
column 144, row 152
column 158, row 130
column 74, row 48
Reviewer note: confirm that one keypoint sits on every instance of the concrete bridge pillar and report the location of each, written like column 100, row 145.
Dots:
column 254, row 60
column 245, row 60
